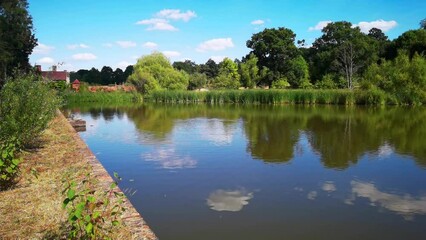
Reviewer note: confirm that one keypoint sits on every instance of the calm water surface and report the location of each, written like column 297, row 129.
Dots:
column 267, row 172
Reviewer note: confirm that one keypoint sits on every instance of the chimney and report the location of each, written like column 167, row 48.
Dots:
column 54, row 67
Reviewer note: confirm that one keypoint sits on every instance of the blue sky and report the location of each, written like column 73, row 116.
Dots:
column 82, row 34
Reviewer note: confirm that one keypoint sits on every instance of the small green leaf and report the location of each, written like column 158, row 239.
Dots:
column 15, row 161
column 71, row 193
column 96, row 215
column 89, row 228
column 91, row 199
column 115, row 223
column 79, row 210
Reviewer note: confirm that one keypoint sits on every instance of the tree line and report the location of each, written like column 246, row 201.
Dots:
column 342, row 57
column 106, row 76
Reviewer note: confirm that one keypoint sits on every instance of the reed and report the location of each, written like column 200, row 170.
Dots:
column 299, row 96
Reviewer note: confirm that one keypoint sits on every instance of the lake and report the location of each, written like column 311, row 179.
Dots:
column 267, row 172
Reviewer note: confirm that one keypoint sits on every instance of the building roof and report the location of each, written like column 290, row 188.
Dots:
column 55, row 75
column 76, row 82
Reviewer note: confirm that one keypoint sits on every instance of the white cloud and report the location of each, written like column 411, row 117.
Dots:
column 150, row 45
column 329, row 187
column 43, row 49
column 218, row 59
column 171, row 54
column 257, row 22
column 69, row 67
column 84, row 56
column 75, row 46
column 123, row 64
column 45, row 60
column 232, row 201
column 107, row 45
column 320, row 25
column 157, row 24
column 176, row 14
column 380, row 24
column 217, row 44
column 126, row 44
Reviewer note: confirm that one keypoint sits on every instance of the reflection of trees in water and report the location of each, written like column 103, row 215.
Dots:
column 157, row 121
column 406, row 131
column 341, row 135
column 353, row 132
column 95, row 113
column 343, row 139
column 271, row 139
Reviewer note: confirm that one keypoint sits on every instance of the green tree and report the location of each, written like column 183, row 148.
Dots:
column 343, row 50
column 250, row 73
column 107, row 75
column 17, row 40
column 413, row 41
column 228, row 77
column 93, row 76
column 210, row 68
column 379, row 42
column 128, row 71
column 377, row 34
column 405, row 79
column 298, row 73
column 154, row 72
column 274, row 49
column 118, row 76
column 197, row 81
column 188, row 66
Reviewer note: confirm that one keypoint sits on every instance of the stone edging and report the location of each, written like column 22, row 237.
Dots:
column 131, row 218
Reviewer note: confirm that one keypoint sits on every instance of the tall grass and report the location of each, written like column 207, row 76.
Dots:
column 300, row 96
column 102, row 97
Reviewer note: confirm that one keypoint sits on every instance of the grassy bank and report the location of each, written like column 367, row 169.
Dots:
column 33, row 208
column 102, row 97
column 300, row 96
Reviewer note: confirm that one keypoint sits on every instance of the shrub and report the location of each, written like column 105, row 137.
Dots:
column 403, row 78
column 281, row 83
column 326, row 82
column 92, row 214
column 26, row 107
column 8, row 164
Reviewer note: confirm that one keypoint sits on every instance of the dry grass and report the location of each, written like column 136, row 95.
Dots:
column 33, row 208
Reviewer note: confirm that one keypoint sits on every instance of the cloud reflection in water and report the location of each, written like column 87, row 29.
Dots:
column 405, row 205
column 229, row 200
column 168, row 158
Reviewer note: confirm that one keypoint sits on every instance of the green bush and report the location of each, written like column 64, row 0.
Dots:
column 281, row 83
column 403, row 78
column 59, row 85
column 26, row 107
column 92, row 214
column 8, row 164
